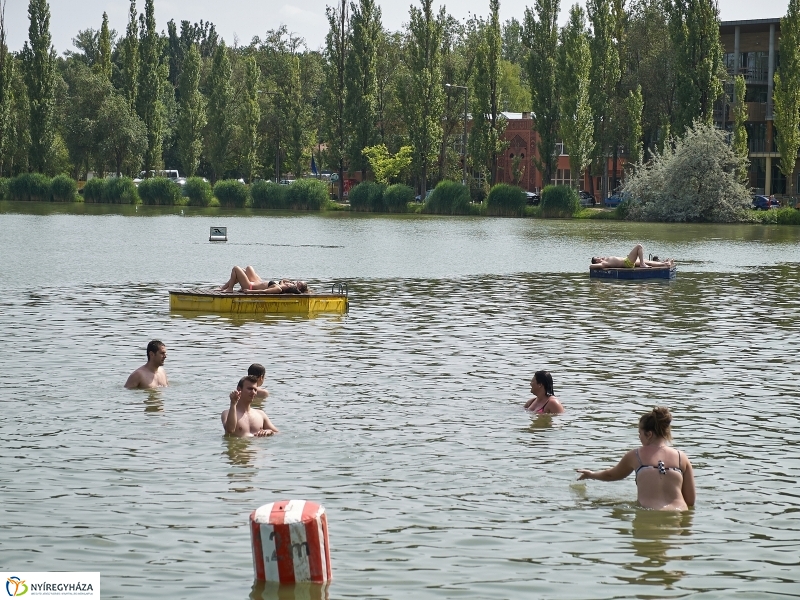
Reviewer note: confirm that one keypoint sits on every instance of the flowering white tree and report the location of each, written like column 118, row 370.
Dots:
column 693, row 180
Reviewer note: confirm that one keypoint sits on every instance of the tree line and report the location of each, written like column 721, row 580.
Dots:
column 618, row 79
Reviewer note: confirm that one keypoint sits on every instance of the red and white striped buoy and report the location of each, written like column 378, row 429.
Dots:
column 290, row 542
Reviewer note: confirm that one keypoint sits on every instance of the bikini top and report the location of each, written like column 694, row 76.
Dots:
column 660, row 466
column 540, row 410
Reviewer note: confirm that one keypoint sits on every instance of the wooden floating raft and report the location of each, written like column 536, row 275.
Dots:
column 214, row 301
column 635, row 273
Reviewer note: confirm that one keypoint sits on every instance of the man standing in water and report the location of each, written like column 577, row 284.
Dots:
column 241, row 420
column 152, row 373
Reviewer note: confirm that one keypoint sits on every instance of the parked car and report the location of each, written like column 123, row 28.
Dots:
column 587, row 199
column 613, row 201
column 765, row 203
column 533, row 198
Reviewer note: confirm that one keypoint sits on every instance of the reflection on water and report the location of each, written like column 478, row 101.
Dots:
column 289, row 591
column 154, row 402
column 241, row 452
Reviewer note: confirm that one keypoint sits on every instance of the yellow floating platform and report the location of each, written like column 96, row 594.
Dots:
column 213, row 301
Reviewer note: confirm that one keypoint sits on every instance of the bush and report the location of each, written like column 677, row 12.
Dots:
column 448, row 198
column 119, row 190
column 787, row 216
column 506, row 201
column 63, row 188
column 560, row 201
column 29, row 187
column 396, row 198
column 231, row 193
column 3, row 188
column 307, row 194
column 198, row 190
column 159, row 191
column 267, row 194
column 94, row 190
column 367, row 196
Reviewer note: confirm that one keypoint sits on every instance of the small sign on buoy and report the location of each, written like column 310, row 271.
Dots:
column 218, row 234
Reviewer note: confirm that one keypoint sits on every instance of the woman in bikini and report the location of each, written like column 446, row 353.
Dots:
column 635, row 258
column 250, row 281
column 544, row 400
column 664, row 475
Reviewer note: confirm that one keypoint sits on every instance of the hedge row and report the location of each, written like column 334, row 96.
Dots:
column 35, row 187
column 376, row 197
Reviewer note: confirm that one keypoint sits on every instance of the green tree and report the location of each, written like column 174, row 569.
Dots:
column 786, row 95
column 360, row 108
column 104, row 62
column 422, row 93
column 39, row 59
column 384, row 166
column 131, row 63
column 122, row 135
column 6, row 79
column 739, row 139
column 18, row 139
column 576, row 112
column 191, row 113
column 335, row 89
column 87, row 90
column 250, row 117
column 694, row 30
column 220, row 98
column 152, row 78
column 634, row 105
column 515, row 93
column 541, row 40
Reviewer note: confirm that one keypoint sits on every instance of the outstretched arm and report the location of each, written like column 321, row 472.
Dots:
column 622, row 469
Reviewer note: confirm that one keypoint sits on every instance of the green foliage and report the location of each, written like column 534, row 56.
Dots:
column 448, row 198
column 131, row 63
column 251, row 115
column 119, row 190
column 367, row 197
column 4, row 188
column 122, row 134
column 396, row 198
column 198, row 191
column 103, row 65
column 560, row 201
column 191, row 112
column 634, row 105
column 94, row 190
column 159, row 191
column 337, row 43
column 63, row 188
column 267, row 194
column 739, row 140
column 604, row 77
column 231, row 193
column 307, row 194
column 152, row 80
column 219, row 127
column 385, row 166
column 787, row 91
column 695, row 179
column 29, row 187
column 505, row 201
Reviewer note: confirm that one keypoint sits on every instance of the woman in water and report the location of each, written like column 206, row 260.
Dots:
column 544, row 400
column 667, row 479
column 250, row 281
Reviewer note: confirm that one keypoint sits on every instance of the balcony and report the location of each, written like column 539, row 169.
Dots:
column 756, row 111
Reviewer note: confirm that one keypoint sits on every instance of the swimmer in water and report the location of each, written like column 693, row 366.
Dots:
column 258, row 371
column 152, row 373
column 544, row 400
column 664, row 475
column 241, row 420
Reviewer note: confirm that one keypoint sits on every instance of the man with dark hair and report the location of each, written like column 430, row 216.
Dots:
column 258, row 371
column 241, row 420
column 152, row 373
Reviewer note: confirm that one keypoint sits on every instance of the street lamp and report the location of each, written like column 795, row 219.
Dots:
column 464, row 142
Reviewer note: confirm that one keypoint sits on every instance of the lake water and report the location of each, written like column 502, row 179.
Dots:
column 403, row 418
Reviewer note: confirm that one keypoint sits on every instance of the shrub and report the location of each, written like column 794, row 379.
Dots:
column 307, row 194
column 119, row 190
column 3, row 188
column 396, row 198
column 231, row 193
column 448, row 198
column 31, row 187
column 367, row 196
column 94, row 190
column 63, row 188
column 159, row 191
column 198, row 190
column 506, row 201
column 787, row 216
column 267, row 194
column 560, row 201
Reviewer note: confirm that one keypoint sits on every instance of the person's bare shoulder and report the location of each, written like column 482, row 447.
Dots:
column 134, row 379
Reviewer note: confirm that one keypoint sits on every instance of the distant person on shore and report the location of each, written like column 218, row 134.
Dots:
column 258, row 371
column 544, row 401
column 152, row 373
column 241, row 420
column 667, row 478
column 250, row 281
column 635, row 258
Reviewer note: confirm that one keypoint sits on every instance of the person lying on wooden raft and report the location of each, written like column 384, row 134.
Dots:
column 635, row 258
column 250, row 282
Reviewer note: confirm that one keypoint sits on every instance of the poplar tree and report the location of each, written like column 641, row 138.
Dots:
column 6, row 78
column 219, row 130
column 152, row 78
column 694, row 30
column 541, row 39
column 250, row 117
column 39, row 60
column 104, row 64
column 576, row 112
column 422, row 92
column 360, row 107
column 336, row 50
column 634, row 106
column 130, row 57
column 191, row 112
column 739, row 139
column 786, row 95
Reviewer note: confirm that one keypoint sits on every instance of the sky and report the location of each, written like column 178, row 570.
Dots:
column 243, row 19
